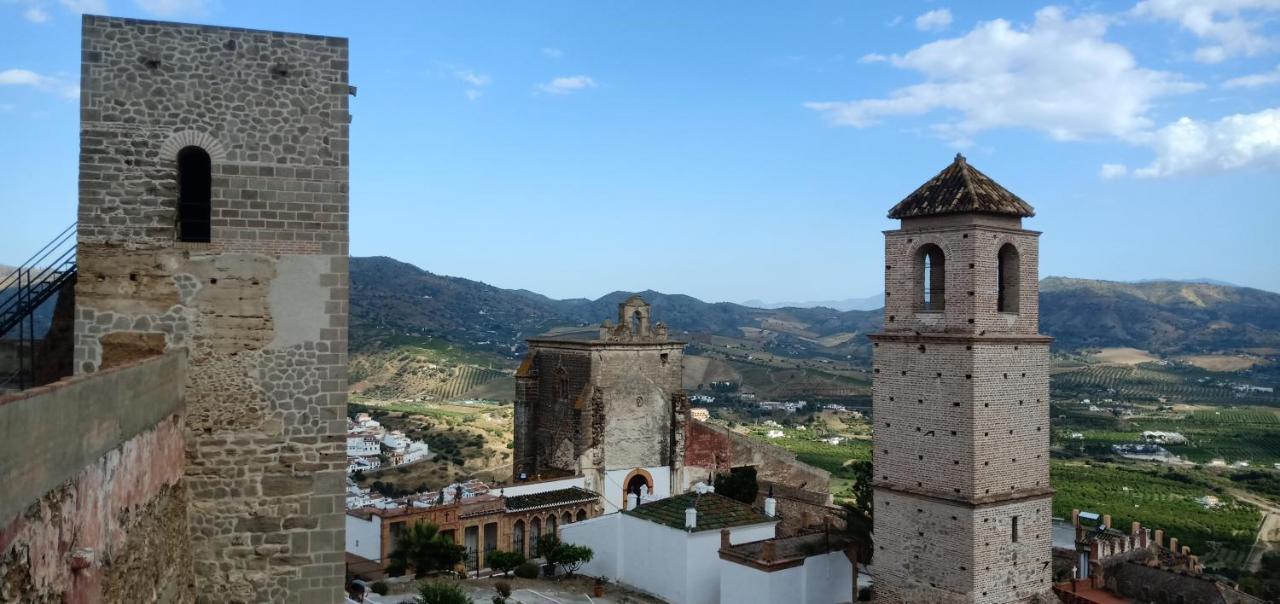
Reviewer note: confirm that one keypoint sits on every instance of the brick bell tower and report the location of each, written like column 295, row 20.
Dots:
column 961, row 400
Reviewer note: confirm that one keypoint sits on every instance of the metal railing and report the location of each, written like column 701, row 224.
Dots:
column 29, row 286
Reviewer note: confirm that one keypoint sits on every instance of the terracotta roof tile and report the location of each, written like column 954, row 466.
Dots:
column 961, row 188
column 715, row 512
column 549, row 499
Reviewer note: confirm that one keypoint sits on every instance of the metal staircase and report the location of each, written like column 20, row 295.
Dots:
column 21, row 294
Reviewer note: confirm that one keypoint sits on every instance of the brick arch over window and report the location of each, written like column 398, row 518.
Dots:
column 193, row 138
column 638, row 473
column 1008, row 270
column 930, row 277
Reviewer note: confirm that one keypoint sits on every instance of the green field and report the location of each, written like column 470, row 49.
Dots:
column 1232, row 435
column 1159, row 499
column 1149, row 382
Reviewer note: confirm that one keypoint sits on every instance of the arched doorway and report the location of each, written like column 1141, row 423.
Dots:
column 636, row 479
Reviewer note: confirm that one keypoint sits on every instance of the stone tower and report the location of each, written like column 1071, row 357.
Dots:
column 961, row 400
column 606, row 404
column 213, row 218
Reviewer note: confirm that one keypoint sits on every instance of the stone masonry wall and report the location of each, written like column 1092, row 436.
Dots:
column 95, row 508
column 261, row 308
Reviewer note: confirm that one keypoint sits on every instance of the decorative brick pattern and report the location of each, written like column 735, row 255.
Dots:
column 261, row 308
column 961, row 411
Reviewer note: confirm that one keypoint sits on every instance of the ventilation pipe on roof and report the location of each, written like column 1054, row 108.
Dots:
column 633, row 500
column 690, row 518
column 770, row 504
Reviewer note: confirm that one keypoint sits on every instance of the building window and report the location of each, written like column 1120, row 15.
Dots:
column 582, row 515
column 931, row 280
column 195, row 197
column 551, row 524
column 517, row 537
column 1014, row 528
column 562, row 385
column 535, row 531
column 1007, row 279
column 566, row 518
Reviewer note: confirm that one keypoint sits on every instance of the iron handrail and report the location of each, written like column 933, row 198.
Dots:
column 40, row 254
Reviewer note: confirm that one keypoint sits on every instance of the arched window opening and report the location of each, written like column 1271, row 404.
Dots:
column 562, row 385
column 582, row 515
column 931, row 284
column 1007, row 279
column 551, row 524
column 566, row 518
column 636, row 323
column 517, row 537
column 535, row 531
column 195, row 197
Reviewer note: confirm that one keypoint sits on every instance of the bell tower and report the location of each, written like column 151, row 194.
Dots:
column 961, row 400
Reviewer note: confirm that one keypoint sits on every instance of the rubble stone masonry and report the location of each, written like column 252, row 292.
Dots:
column 261, row 308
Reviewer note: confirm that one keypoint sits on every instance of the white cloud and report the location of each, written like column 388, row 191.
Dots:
column 1058, row 76
column 24, row 77
column 472, row 78
column 1110, row 171
column 934, row 20
column 1228, row 27
column 1234, row 142
column 93, row 7
column 873, row 57
column 472, row 94
column 35, row 14
column 1254, row 80
column 567, row 84
column 554, row 53
column 174, row 8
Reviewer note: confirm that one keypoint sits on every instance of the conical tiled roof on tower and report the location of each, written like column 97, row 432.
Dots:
column 961, row 188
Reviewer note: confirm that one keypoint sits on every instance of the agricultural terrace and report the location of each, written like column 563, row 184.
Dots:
column 1148, row 382
column 1230, row 434
column 1160, row 499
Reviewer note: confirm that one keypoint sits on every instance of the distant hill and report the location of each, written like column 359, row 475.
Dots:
column 1160, row 316
column 867, row 303
column 389, row 297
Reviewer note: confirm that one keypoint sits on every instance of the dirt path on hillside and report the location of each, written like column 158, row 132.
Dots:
column 1268, row 539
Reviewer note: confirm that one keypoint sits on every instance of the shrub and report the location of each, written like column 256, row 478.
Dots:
column 422, row 549
column 379, row 587
column 443, row 592
column 528, row 570
column 504, row 561
column 503, row 588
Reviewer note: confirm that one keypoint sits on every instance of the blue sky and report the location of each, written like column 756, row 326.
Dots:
column 741, row 150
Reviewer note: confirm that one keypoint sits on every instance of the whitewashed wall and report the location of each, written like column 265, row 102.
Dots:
column 364, row 537
column 824, row 579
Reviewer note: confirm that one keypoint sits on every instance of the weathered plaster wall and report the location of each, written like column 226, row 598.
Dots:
column 261, row 308
column 95, row 508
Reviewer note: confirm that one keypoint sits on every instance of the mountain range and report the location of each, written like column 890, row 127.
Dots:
column 393, row 298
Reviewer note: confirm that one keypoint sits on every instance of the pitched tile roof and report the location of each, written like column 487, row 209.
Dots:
column 961, row 188
column 547, row 499
column 715, row 512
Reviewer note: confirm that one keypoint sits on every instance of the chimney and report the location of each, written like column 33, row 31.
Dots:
column 633, row 500
column 770, row 504
column 1159, row 539
column 691, row 518
column 724, row 539
column 1106, row 520
column 1173, row 546
column 1075, row 521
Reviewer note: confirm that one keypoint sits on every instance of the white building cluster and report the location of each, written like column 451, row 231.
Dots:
column 368, row 444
